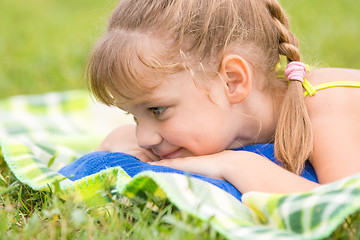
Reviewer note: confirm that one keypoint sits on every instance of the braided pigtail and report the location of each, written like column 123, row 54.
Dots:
column 293, row 137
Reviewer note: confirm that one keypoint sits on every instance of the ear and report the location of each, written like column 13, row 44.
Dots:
column 235, row 71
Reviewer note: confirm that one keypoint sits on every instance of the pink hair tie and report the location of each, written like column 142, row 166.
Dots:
column 295, row 71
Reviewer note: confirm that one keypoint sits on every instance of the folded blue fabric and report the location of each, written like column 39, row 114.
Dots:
column 96, row 161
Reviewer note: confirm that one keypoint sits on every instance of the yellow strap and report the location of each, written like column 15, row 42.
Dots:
column 311, row 90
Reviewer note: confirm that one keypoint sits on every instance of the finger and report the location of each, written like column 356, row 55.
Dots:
column 196, row 165
column 140, row 155
column 144, row 155
column 151, row 156
column 173, row 163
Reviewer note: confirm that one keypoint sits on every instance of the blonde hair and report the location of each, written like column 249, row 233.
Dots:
column 198, row 33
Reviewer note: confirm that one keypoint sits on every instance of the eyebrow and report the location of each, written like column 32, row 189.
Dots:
column 149, row 101
column 143, row 101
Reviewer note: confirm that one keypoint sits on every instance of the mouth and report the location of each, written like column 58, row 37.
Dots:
column 171, row 155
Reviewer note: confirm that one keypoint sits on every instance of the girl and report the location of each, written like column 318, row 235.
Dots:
column 202, row 78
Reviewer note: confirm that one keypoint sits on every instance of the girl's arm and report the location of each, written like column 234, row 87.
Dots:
column 246, row 171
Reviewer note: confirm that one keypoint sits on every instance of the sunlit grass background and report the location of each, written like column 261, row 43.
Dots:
column 44, row 46
column 329, row 31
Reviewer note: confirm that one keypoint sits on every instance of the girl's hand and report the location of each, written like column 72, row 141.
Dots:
column 213, row 166
column 123, row 139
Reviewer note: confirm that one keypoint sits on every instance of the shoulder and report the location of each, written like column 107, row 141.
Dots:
column 323, row 75
column 335, row 117
column 335, row 97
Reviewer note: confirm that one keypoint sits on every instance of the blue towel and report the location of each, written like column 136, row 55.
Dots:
column 96, row 161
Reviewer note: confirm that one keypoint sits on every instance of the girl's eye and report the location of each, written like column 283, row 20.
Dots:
column 157, row 111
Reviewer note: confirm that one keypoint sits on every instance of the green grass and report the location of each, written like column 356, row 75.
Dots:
column 328, row 31
column 29, row 214
column 44, row 45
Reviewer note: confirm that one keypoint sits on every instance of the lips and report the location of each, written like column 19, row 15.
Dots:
column 173, row 154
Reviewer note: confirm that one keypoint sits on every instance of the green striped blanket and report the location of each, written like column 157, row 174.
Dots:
column 39, row 134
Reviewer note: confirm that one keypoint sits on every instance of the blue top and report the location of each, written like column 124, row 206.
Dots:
column 96, row 161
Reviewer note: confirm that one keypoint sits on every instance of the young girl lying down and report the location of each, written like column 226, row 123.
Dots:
column 202, row 78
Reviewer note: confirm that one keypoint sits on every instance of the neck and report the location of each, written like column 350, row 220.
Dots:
column 258, row 115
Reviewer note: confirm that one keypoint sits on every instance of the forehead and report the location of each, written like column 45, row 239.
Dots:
column 141, row 67
column 167, row 87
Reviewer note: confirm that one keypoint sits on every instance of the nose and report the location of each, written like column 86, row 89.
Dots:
column 147, row 136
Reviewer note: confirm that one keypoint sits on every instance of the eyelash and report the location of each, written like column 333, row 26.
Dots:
column 155, row 110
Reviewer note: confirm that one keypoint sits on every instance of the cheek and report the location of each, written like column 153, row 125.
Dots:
column 210, row 135
column 177, row 131
column 198, row 137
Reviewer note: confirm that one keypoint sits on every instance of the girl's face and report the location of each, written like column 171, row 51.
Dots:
column 178, row 119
